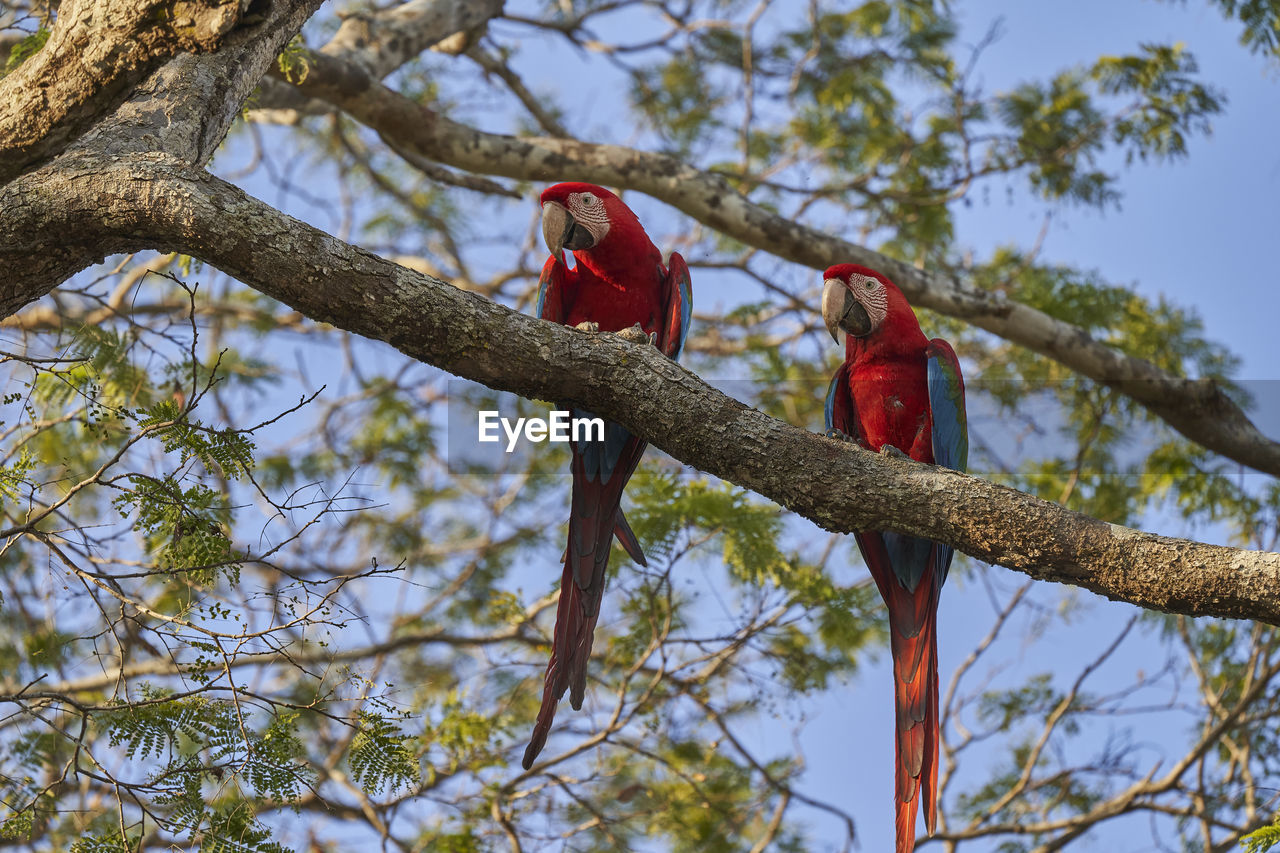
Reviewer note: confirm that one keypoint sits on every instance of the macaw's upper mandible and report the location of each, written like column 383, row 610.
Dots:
column 900, row 393
column 619, row 281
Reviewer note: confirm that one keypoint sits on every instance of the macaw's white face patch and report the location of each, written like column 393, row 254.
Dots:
column 871, row 296
column 588, row 210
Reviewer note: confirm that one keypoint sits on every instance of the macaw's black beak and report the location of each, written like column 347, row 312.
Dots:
column 561, row 231
column 842, row 313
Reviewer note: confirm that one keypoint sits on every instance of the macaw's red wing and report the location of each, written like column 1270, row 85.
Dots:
column 677, row 298
column 551, row 291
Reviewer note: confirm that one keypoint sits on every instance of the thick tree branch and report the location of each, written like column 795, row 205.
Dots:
column 1199, row 409
column 381, row 42
column 97, row 51
column 191, row 212
column 179, row 114
column 184, row 110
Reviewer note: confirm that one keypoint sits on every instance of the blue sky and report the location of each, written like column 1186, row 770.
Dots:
column 1201, row 231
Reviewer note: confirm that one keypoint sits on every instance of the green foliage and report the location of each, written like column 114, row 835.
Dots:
column 293, row 62
column 452, row 842
column 467, row 738
column 379, row 757
column 1171, row 103
column 25, row 49
column 183, row 528
column 195, row 745
column 110, row 842
column 1262, row 840
column 748, row 533
column 1261, row 19
column 25, row 805
column 227, row 452
column 1057, row 117
column 234, row 830
column 103, row 375
column 698, row 814
column 13, row 476
column 679, row 101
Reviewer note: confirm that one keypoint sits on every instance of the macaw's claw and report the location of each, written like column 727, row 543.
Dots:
column 842, row 436
column 636, row 335
column 588, row 326
column 892, row 452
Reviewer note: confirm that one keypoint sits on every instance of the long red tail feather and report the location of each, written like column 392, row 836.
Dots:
column 586, row 559
column 913, row 644
column 916, row 732
column 556, row 681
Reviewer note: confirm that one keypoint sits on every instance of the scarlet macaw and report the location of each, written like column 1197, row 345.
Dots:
column 899, row 392
column 619, row 281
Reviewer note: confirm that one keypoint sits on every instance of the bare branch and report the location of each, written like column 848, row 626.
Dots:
column 380, row 42
column 383, row 41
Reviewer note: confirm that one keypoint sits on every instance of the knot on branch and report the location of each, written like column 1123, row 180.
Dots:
column 193, row 25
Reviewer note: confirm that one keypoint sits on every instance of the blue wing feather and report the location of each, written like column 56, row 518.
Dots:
column 600, row 458
column 838, row 410
column 948, row 422
column 946, row 407
column 829, row 407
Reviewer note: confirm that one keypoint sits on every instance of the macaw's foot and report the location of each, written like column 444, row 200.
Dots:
column 843, row 436
column 637, row 335
column 892, row 452
column 588, row 326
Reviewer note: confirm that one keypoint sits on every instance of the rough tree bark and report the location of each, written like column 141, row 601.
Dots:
column 97, row 51
column 136, row 181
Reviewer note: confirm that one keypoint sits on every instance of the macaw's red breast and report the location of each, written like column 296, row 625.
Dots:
column 891, row 398
column 616, row 303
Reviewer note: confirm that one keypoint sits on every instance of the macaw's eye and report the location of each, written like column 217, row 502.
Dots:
column 589, row 200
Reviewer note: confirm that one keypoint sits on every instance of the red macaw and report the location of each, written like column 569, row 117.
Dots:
column 619, row 281
column 898, row 392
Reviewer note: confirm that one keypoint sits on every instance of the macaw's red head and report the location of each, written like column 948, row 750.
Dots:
column 862, row 303
column 589, row 219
